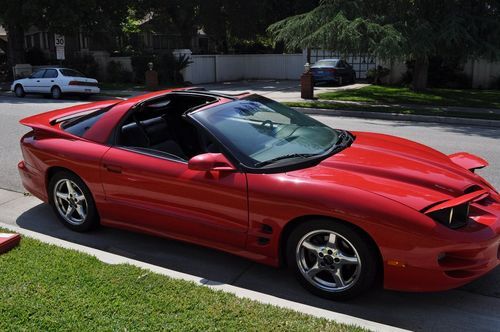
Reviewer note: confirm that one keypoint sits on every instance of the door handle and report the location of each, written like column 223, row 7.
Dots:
column 113, row 169
column 52, row 80
column 38, row 81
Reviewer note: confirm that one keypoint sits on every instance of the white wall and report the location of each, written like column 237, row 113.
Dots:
column 221, row 68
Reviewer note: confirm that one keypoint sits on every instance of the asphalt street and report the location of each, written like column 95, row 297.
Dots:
column 474, row 307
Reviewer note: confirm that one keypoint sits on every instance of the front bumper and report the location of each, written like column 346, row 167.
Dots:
column 449, row 263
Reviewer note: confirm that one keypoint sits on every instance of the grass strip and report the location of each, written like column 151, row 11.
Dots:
column 394, row 109
column 47, row 288
column 431, row 97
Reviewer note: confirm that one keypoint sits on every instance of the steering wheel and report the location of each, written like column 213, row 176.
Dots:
column 266, row 124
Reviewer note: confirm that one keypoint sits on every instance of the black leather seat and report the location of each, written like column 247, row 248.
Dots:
column 153, row 134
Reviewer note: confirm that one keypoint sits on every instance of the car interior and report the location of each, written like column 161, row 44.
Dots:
column 159, row 128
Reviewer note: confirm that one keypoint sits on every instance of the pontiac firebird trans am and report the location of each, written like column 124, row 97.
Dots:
column 249, row 176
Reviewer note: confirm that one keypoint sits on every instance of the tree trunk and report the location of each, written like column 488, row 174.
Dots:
column 15, row 35
column 420, row 74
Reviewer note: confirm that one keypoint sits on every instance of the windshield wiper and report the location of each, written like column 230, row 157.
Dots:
column 287, row 156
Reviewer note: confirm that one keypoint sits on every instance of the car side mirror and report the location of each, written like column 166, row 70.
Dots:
column 210, row 162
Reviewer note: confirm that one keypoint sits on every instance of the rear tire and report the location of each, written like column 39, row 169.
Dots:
column 72, row 202
column 56, row 92
column 331, row 259
column 19, row 91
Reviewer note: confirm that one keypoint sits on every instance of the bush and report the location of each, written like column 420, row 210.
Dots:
column 443, row 73
column 168, row 67
column 496, row 83
column 117, row 74
column 35, row 57
column 83, row 63
column 375, row 75
column 140, row 65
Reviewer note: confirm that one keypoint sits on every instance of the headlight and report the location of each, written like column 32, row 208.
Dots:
column 453, row 217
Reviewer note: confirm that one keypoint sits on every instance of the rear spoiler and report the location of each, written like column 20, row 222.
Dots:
column 468, row 161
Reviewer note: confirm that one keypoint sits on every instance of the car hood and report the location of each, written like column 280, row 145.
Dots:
column 396, row 168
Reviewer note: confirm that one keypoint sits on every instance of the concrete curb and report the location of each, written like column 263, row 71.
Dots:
column 400, row 117
column 110, row 258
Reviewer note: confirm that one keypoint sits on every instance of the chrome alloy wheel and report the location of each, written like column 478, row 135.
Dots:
column 328, row 260
column 70, row 202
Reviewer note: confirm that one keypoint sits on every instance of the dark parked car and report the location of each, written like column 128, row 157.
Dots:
column 333, row 71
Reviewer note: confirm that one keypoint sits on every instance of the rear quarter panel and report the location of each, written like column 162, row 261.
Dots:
column 78, row 156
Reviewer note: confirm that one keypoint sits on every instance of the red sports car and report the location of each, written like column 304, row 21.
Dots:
column 249, row 176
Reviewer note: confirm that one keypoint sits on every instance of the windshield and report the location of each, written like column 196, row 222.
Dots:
column 261, row 132
column 71, row 73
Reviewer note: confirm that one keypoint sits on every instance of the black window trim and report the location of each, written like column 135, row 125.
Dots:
column 154, row 153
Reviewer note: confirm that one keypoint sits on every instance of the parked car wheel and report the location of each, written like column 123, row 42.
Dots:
column 331, row 259
column 56, row 93
column 19, row 91
column 72, row 202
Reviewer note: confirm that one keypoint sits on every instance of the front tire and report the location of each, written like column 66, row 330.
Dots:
column 56, row 92
column 19, row 91
column 331, row 259
column 72, row 202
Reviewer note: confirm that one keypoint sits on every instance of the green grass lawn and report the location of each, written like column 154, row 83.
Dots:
column 47, row 288
column 433, row 111
column 400, row 95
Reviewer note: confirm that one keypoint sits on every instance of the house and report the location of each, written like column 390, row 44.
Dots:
column 3, row 41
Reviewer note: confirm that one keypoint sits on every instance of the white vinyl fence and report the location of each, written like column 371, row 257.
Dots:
column 221, row 68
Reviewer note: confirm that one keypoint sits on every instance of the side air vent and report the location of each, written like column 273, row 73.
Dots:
column 263, row 241
column 266, row 229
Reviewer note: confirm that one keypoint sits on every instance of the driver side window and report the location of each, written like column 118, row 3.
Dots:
column 161, row 130
column 38, row 74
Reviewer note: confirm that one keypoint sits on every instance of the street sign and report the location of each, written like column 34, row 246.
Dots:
column 60, row 53
column 59, row 40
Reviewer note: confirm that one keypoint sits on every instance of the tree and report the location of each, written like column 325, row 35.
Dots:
column 65, row 17
column 392, row 29
column 230, row 22
column 172, row 16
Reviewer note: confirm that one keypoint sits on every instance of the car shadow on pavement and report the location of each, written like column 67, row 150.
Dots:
column 463, row 309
